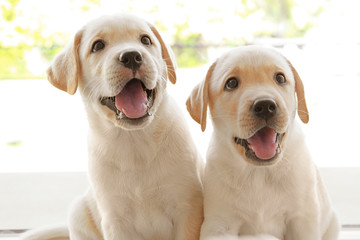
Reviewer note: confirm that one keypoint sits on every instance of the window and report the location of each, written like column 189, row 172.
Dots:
column 43, row 151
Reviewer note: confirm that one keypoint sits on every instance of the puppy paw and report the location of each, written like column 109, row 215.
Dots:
column 258, row 237
column 223, row 237
column 247, row 237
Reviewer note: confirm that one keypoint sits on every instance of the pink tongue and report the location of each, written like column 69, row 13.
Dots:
column 132, row 100
column 263, row 143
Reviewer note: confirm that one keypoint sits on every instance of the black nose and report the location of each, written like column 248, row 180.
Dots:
column 264, row 108
column 131, row 59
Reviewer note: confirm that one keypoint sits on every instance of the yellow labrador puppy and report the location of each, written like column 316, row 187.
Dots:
column 259, row 177
column 144, row 169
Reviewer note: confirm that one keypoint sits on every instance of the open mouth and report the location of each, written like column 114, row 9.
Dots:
column 263, row 147
column 133, row 102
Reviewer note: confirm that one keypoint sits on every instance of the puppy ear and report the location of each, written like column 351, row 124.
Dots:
column 64, row 70
column 299, row 89
column 167, row 55
column 197, row 102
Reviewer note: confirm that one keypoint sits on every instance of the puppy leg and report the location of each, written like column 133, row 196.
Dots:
column 216, row 227
column 82, row 223
column 234, row 237
column 224, row 237
column 47, row 233
column 303, row 229
column 189, row 222
column 258, row 237
column 332, row 233
column 116, row 230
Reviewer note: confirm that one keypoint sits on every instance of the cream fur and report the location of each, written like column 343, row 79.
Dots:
column 144, row 174
column 284, row 198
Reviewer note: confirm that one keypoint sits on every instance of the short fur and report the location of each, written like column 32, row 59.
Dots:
column 145, row 173
column 283, row 197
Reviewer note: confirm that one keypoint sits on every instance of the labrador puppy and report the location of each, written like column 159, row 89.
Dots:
column 144, row 168
column 259, row 177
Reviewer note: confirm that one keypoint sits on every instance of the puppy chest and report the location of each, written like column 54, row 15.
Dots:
column 153, row 222
column 151, row 209
column 261, row 214
column 258, row 222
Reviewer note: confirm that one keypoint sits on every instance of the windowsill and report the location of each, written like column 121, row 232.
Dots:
column 28, row 198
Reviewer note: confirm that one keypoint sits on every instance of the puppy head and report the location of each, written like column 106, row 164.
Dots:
column 121, row 66
column 252, row 94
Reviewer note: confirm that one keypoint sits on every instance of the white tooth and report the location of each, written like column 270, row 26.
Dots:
column 120, row 115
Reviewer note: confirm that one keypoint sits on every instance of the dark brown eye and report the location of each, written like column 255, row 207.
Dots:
column 97, row 46
column 280, row 78
column 146, row 40
column 231, row 84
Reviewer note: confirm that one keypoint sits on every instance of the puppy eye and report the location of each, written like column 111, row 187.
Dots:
column 97, row 46
column 231, row 84
column 280, row 78
column 146, row 40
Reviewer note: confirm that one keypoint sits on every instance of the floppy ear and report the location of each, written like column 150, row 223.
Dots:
column 64, row 70
column 198, row 100
column 167, row 55
column 299, row 89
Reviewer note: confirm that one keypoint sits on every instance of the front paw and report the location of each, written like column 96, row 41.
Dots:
column 223, row 237
column 258, row 237
column 247, row 237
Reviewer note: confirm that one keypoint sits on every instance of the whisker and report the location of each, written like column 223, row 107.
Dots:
column 171, row 71
column 303, row 112
column 301, row 100
column 171, row 74
column 224, row 116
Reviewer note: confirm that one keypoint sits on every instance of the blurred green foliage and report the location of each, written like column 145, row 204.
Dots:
column 189, row 45
column 12, row 62
column 279, row 12
column 8, row 12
